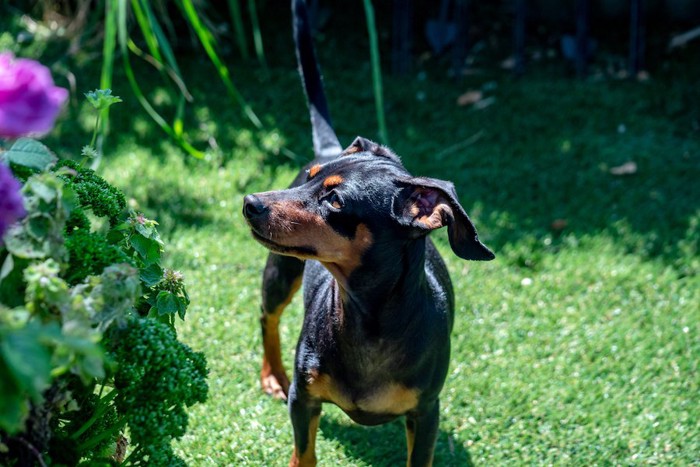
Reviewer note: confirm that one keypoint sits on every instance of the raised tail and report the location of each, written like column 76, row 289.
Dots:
column 326, row 144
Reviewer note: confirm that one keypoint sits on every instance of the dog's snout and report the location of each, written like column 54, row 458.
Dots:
column 253, row 207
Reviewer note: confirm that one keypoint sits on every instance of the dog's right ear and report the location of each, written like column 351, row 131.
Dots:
column 361, row 145
column 426, row 204
column 364, row 145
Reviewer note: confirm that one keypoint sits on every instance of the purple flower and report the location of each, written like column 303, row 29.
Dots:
column 11, row 206
column 29, row 101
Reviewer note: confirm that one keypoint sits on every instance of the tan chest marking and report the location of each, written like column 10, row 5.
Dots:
column 391, row 398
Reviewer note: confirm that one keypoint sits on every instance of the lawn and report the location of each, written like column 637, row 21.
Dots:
column 578, row 345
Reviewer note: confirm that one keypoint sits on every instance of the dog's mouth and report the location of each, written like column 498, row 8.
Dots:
column 302, row 252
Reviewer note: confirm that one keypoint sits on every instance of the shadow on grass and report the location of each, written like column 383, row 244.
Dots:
column 385, row 445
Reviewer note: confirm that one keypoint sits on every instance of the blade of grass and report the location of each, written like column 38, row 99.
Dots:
column 237, row 20
column 207, row 40
column 145, row 25
column 152, row 27
column 108, row 47
column 257, row 36
column 163, row 68
column 164, row 45
column 136, row 89
column 178, row 122
column 376, row 71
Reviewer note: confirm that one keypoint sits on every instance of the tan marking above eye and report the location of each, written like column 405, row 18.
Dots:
column 314, row 170
column 333, row 180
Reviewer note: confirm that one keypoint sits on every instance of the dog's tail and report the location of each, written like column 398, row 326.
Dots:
column 326, row 144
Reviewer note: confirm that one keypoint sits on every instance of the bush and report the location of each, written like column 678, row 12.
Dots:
column 88, row 349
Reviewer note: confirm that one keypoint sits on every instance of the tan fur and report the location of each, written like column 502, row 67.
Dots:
column 314, row 170
column 333, row 180
column 308, row 457
column 391, row 398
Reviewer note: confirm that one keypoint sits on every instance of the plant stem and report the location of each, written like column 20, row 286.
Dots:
column 94, row 132
column 102, row 406
column 92, row 442
column 133, row 454
column 376, row 71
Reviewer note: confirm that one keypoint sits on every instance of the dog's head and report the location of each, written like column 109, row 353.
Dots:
column 361, row 200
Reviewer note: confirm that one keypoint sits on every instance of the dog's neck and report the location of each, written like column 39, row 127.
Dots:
column 389, row 284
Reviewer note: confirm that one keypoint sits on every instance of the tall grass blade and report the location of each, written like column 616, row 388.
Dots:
column 376, row 72
column 172, row 74
column 239, row 30
column 136, row 89
column 257, row 35
column 108, row 47
column 164, row 45
column 207, row 40
column 148, row 34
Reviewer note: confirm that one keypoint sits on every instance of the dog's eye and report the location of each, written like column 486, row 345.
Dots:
column 333, row 199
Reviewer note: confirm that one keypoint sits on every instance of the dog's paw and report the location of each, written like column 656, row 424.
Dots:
column 276, row 386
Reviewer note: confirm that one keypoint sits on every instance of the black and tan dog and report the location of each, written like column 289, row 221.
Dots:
column 378, row 299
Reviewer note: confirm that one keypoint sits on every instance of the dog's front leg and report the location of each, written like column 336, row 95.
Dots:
column 421, row 435
column 305, row 415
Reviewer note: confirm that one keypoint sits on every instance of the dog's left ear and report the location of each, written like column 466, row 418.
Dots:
column 427, row 204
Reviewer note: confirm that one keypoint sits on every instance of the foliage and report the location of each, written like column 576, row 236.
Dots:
column 158, row 377
column 83, row 310
column 152, row 32
column 95, row 194
column 163, row 58
column 101, row 100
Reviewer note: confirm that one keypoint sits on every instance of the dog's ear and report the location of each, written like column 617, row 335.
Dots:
column 364, row 145
column 426, row 204
column 361, row 145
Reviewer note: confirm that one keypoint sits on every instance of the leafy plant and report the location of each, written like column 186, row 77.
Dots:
column 88, row 349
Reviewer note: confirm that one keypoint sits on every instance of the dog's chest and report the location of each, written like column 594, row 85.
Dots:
column 367, row 385
column 386, row 398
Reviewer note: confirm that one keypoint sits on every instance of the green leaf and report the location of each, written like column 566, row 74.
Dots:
column 30, row 153
column 27, row 359
column 115, row 236
column 166, row 303
column 151, row 275
column 182, row 307
column 38, row 226
column 148, row 249
column 101, row 99
column 44, row 191
column 7, row 267
column 21, row 245
column 14, row 404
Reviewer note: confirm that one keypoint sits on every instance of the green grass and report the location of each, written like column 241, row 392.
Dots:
column 576, row 346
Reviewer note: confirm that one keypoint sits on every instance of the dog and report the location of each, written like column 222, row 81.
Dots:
column 379, row 305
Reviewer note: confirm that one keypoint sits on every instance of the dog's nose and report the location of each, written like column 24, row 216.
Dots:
column 253, row 207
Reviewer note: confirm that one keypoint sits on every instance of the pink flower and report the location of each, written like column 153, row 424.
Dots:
column 29, row 101
column 11, row 205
